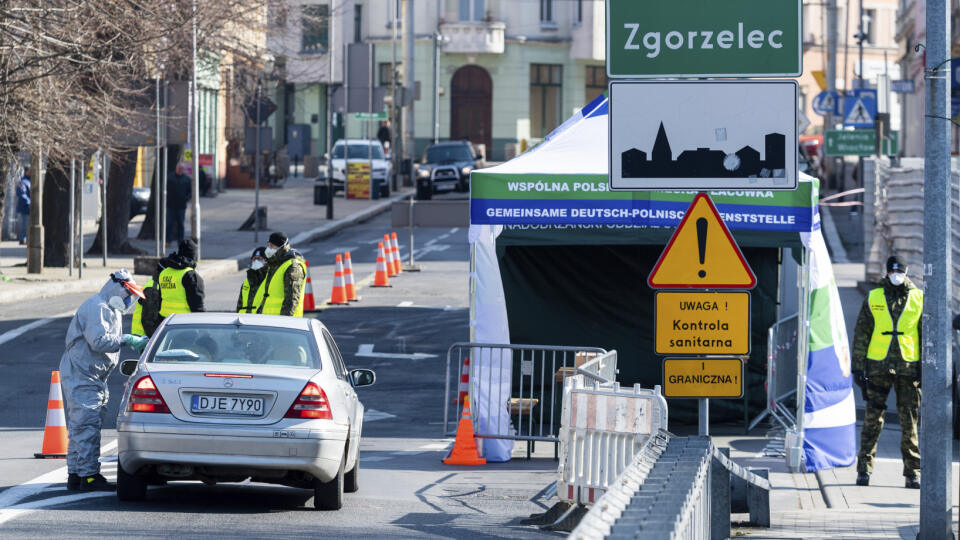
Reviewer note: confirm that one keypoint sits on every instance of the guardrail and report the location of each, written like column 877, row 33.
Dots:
column 603, row 368
column 781, row 382
column 682, row 492
column 516, row 390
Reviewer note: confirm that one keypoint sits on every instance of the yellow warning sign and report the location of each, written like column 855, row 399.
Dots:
column 702, row 254
column 697, row 323
column 703, row 378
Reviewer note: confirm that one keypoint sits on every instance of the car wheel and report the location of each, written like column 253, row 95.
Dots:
column 130, row 487
column 351, row 480
column 329, row 495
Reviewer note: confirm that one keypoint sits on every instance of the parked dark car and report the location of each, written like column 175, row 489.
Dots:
column 139, row 199
column 446, row 166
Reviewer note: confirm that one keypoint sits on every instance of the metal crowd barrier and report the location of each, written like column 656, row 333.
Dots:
column 679, row 491
column 781, row 382
column 603, row 427
column 521, row 387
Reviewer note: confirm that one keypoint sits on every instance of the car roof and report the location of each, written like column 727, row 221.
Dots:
column 239, row 319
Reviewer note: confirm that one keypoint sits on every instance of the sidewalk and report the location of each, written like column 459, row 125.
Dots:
column 289, row 209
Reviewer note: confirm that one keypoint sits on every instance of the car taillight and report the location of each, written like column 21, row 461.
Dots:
column 146, row 398
column 311, row 403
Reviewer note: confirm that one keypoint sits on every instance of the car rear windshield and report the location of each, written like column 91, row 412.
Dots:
column 233, row 345
column 447, row 153
column 359, row 151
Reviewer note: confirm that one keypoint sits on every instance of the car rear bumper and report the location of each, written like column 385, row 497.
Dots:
column 317, row 452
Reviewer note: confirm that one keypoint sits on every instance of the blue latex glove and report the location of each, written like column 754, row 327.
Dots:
column 136, row 343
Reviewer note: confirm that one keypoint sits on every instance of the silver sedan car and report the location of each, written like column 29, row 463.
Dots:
column 222, row 397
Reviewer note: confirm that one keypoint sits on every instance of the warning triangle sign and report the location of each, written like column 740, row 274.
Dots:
column 702, row 254
column 858, row 114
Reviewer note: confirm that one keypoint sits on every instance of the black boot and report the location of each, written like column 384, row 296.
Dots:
column 863, row 479
column 912, row 482
column 96, row 483
column 73, row 482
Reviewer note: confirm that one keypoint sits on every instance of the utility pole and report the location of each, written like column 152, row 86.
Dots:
column 936, row 495
column 409, row 82
column 831, row 38
column 394, row 106
column 331, row 47
column 195, row 147
column 35, row 232
column 860, row 38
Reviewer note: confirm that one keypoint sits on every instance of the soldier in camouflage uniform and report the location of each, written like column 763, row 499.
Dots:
column 886, row 353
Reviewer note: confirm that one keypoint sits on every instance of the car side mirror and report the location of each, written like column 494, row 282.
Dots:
column 129, row 367
column 363, row 377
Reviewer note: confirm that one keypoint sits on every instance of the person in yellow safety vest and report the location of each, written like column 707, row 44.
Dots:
column 136, row 321
column 255, row 274
column 886, row 353
column 281, row 291
column 181, row 287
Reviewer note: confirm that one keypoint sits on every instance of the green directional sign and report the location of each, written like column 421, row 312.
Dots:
column 704, row 38
column 859, row 142
column 370, row 116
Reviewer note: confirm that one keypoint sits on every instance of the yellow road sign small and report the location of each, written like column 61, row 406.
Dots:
column 702, row 322
column 703, row 378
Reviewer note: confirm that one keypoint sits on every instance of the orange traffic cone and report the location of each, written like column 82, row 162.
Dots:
column 348, row 277
column 55, row 431
column 464, row 450
column 381, row 278
column 464, row 381
column 308, row 302
column 391, row 263
column 339, row 295
column 395, row 246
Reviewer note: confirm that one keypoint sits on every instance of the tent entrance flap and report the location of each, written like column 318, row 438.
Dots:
column 597, row 294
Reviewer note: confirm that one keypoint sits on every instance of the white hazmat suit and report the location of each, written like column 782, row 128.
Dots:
column 93, row 343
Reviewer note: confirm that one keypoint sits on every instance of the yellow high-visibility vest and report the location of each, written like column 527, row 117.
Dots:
column 269, row 296
column 246, row 300
column 136, row 323
column 173, row 297
column 908, row 334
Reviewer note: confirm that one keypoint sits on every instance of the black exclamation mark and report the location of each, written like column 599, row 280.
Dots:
column 702, row 243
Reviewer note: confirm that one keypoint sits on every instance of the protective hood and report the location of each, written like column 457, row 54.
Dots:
column 113, row 288
column 178, row 261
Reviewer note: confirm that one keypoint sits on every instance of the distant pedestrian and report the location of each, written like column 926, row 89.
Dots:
column 887, row 354
column 23, row 206
column 178, row 195
column 383, row 134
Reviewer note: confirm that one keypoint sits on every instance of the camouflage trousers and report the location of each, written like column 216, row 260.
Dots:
column 908, row 408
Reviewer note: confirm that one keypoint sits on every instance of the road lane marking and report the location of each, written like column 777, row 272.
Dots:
column 454, row 230
column 365, row 350
column 9, row 499
column 435, row 446
column 372, row 415
column 19, row 331
column 341, row 250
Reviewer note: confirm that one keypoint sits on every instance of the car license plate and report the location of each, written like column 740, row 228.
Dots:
column 445, row 187
column 227, row 405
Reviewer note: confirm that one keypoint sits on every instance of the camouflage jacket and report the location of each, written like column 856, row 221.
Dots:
column 293, row 279
column 894, row 363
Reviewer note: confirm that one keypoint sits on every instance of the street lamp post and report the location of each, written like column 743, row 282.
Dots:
column 438, row 38
column 256, row 165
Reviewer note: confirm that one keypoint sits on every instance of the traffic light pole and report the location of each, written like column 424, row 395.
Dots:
column 936, row 493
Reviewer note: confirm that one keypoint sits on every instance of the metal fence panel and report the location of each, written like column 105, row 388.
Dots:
column 781, row 381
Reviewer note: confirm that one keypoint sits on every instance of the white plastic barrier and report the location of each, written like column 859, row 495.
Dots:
column 602, row 428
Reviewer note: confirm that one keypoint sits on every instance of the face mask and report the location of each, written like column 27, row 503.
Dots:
column 269, row 252
column 897, row 278
column 256, row 265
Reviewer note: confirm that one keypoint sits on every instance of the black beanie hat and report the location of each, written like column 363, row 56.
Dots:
column 188, row 249
column 278, row 239
column 259, row 252
column 894, row 265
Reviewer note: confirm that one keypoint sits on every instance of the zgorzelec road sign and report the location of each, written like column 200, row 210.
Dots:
column 704, row 38
column 703, row 378
column 703, row 135
column 701, row 322
column 859, row 142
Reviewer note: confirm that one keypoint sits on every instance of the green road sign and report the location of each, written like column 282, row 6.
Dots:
column 859, row 142
column 704, row 38
column 370, row 116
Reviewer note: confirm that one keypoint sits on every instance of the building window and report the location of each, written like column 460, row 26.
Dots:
column 357, row 23
column 546, row 11
column 869, row 26
column 472, row 10
column 546, row 82
column 315, row 25
column 596, row 82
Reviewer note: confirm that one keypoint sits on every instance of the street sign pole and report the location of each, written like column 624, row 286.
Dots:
column 936, row 495
column 704, row 430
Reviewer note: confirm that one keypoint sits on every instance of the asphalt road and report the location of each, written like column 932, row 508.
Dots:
column 405, row 490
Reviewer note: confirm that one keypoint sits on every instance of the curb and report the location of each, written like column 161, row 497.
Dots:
column 832, row 494
column 212, row 269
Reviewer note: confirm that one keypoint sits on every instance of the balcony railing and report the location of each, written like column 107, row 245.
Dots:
column 473, row 37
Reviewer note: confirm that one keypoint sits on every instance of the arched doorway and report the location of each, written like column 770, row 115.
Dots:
column 471, row 105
